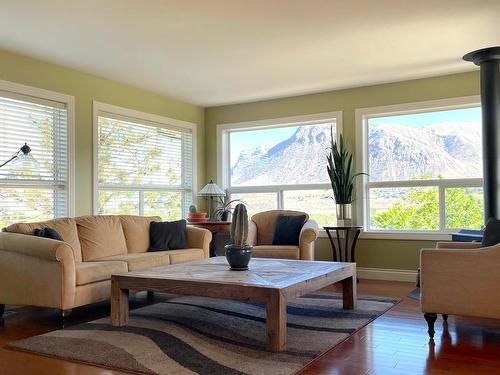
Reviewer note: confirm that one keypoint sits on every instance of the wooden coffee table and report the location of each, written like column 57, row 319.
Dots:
column 271, row 281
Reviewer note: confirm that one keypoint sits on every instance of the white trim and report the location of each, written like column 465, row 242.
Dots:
column 156, row 120
column 421, row 107
column 278, row 188
column 280, row 122
column 386, row 274
column 69, row 102
column 363, row 186
column 405, row 236
column 398, row 235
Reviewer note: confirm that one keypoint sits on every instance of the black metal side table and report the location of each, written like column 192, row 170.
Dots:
column 343, row 252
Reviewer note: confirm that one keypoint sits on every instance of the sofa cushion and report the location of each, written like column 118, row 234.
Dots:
column 100, row 236
column 491, row 236
column 136, row 232
column 91, row 272
column 287, row 231
column 185, row 255
column 168, row 235
column 48, row 233
column 66, row 227
column 140, row 261
column 266, row 224
column 279, row 252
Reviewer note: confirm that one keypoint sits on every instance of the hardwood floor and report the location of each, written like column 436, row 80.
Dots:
column 395, row 343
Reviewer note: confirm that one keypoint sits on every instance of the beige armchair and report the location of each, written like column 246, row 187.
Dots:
column 459, row 278
column 261, row 232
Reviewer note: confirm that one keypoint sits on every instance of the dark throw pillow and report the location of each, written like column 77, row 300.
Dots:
column 48, row 233
column 287, row 231
column 167, row 235
column 491, row 235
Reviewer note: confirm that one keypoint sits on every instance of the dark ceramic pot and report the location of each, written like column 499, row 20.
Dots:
column 224, row 216
column 238, row 257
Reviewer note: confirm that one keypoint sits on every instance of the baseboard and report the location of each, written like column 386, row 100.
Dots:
column 386, row 274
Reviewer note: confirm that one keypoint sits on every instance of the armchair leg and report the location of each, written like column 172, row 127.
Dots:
column 2, row 310
column 66, row 313
column 431, row 319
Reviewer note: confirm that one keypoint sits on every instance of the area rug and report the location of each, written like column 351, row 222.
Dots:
column 415, row 294
column 195, row 335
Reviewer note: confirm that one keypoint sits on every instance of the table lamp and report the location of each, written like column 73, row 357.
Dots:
column 211, row 191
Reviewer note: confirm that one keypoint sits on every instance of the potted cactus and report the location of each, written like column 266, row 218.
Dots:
column 238, row 253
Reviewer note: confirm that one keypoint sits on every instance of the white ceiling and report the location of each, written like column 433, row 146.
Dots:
column 213, row 52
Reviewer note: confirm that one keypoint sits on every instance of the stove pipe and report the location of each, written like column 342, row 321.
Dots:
column 488, row 60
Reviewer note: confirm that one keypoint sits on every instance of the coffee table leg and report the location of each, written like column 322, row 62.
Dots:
column 276, row 322
column 119, row 305
column 349, row 293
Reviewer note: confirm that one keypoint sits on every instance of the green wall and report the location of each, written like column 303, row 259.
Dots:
column 86, row 88
column 390, row 254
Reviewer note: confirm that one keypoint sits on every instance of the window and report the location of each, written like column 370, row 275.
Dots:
column 424, row 166
column 145, row 163
column 39, row 118
column 280, row 163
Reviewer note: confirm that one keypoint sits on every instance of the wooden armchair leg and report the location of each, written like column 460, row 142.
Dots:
column 66, row 313
column 431, row 319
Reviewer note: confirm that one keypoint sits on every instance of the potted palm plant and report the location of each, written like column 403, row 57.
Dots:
column 225, row 209
column 238, row 253
column 341, row 174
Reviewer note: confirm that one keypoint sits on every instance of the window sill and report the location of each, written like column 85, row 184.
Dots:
column 411, row 236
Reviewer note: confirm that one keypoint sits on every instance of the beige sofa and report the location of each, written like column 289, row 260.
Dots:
column 43, row 272
column 459, row 278
column 261, row 232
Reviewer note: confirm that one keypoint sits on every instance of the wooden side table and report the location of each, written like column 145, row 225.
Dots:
column 343, row 252
column 215, row 227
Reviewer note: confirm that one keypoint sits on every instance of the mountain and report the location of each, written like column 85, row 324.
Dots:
column 396, row 153
column 299, row 159
column 405, row 153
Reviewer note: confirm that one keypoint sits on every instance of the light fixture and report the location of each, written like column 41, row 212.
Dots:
column 210, row 191
column 23, row 159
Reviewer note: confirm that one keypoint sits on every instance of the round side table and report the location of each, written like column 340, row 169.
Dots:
column 344, row 236
column 215, row 227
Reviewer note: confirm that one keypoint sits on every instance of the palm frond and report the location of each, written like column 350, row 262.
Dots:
column 340, row 170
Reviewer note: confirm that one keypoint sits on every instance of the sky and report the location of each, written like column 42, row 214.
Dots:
column 249, row 139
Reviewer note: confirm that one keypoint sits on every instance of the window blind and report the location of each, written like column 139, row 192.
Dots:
column 138, row 161
column 31, row 195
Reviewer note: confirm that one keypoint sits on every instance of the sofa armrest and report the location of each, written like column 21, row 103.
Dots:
column 36, row 271
column 457, row 245
column 199, row 238
column 460, row 281
column 39, row 247
column 308, row 235
column 252, row 233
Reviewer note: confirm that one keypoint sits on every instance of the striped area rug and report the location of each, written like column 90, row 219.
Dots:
column 195, row 335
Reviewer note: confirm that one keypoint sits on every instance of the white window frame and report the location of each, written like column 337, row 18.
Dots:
column 223, row 146
column 69, row 102
column 362, row 209
column 100, row 108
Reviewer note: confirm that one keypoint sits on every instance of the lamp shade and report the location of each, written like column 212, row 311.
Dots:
column 211, row 190
column 22, row 161
column 25, row 162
